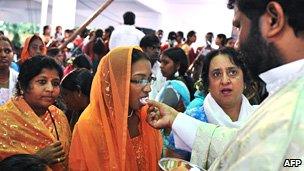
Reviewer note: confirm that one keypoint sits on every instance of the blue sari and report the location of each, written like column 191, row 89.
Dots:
column 181, row 89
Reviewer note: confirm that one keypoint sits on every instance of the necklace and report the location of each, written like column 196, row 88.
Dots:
column 131, row 114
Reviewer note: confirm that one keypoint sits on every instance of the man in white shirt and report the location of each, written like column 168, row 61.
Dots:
column 150, row 44
column 126, row 34
column 272, row 40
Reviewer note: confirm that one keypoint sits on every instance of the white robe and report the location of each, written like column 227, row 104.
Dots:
column 275, row 131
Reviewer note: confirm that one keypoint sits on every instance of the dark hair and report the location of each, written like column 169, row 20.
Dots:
column 234, row 56
column 98, row 33
column 181, row 34
column 137, row 55
column 293, row 10
column 79, row 79
column 172, row 35
column 45, row 28
column 149, row 40
column 21, row 162
column 109, row 30
column 33, row 67
column 81, row 61
column 129, row 18
column 68, row 31
column 223, row 38
column 4, row 38
column 1, row 32
column 210, row 33
column 178, row 56
column 190, row 34
column 230, row 38
column 98, row 46
column 58, row 27
column 52, row 52
column 84, row 33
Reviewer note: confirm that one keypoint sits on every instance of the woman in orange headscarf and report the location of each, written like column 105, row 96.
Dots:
column 33, row 46
column 30, row 123
column 111, row 133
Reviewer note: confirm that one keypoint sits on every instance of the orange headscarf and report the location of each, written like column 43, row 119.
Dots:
column 25, row 54
column 101, row 138
column 23, row 132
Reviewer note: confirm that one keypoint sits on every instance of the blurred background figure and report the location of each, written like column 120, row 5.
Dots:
column 160, row 34
column 8, row 76
column 58, row 34
column 75, row 91
column 57, row 54
column 205, row 49
column 106, row 37
column 169, row 42
column 220, row 40
column 33, row 46
column 176, row 92
column 126, row 34
column 46, row 35
column 150, row 44
column 80, row 61
column 179, row 39
column 230, row 42
column 189, row 51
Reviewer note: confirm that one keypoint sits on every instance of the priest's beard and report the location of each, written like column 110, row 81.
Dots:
column 259, row 55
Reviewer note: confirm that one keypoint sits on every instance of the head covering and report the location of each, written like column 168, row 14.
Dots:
column 101, row 138
column 24, row 132
column 25, row 54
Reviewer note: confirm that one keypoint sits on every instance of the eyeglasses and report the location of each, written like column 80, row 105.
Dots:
column 144, row 82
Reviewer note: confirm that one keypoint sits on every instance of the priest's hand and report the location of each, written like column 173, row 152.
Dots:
column 160, row 115
column 53, row 153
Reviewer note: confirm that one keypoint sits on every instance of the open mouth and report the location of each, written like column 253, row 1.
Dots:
column 143, row 100
column 226, row 91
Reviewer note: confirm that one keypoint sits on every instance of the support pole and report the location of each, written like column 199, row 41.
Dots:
column 86, row 23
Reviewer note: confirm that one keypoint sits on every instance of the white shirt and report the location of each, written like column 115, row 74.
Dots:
column 7, row 93
column 125, row 35
column 184, row 127
column 160, row 80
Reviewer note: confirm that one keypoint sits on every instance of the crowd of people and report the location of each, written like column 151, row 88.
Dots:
column 120, row 99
